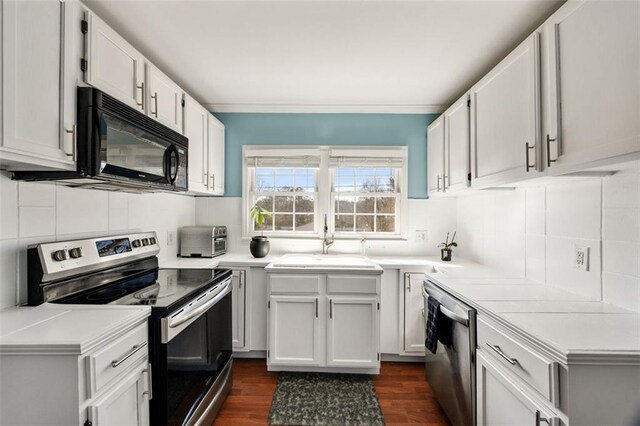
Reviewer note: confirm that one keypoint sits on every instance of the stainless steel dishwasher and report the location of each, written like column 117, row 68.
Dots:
column 451, row 372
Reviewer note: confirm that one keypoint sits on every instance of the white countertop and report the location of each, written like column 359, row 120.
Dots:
column 64, row 329
column 563, row 324
column 231, row 260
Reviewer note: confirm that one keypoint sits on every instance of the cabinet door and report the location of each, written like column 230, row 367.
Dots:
column 502, row 402
column 435, row 156
column 195, row 128
column 294, row 331
column 164, row 98
column 414, row 318
column 125, row 405
column 216, row 155
column 238, row 297
column 456, row 120
column 593, row 107
column 352, row 332
column 505, row 119
column 113, row 65
column 32, row 114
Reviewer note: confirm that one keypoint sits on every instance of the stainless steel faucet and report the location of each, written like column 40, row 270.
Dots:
column 326, row 242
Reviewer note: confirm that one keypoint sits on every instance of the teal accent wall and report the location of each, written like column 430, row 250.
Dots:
column 326, row 129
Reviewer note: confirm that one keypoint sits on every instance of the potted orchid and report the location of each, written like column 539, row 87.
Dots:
column 445, row 248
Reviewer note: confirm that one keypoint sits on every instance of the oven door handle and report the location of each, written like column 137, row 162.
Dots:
column 226, row 289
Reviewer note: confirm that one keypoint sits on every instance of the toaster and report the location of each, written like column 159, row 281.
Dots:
column 203, row 241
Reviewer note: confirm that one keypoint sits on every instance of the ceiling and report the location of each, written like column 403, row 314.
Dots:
column 311, row 56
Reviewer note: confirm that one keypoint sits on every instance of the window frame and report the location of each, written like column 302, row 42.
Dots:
column 325, row 200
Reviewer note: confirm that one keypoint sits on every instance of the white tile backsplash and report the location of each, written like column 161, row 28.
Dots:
column 8, row 208
column 33, row 213
column 601, row 213
column 574, row 208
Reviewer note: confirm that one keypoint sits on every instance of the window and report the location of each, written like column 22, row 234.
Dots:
column 290, row 194
column 365, row 199
column 301, row 186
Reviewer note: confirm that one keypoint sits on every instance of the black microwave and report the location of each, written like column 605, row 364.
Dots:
column 121, row 148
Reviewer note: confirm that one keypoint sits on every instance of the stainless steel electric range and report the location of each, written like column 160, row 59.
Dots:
column 189, row 328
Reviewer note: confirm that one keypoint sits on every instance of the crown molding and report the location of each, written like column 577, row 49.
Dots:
column 324, row 108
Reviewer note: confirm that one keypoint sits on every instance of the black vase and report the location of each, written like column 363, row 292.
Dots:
column 259, row 246
column 445, row 254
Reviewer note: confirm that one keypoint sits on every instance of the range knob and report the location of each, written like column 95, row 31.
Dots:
column 76, row 252
column 59, row 255
column 137, row 243
column 152, row 241
column 145, row 241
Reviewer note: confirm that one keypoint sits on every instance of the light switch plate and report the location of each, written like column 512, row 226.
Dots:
column 581, row 258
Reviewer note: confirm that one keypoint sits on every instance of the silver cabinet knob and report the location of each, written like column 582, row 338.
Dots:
column 76, row 252
column 60, row 255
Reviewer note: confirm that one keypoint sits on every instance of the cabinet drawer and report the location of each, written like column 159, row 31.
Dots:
column 532, row 367
column 294, row 283
column 114, row 359
column 352, row 284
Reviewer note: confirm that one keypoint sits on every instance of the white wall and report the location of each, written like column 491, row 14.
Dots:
column 533, row 231
column 436, row 216
column 38, row 212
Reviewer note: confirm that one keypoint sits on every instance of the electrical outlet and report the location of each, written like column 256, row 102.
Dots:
column 581, row 258
column 421, row 236
column 171, row 238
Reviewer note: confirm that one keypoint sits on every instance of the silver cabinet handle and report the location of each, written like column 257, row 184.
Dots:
column 213, row 180
column 539, row 419
column 74, row 138
column 438, row 185
column 141, row 87
column 155, row 103
column 128, row 355
column 504, row 356
column 527, row 148
column 549, row 160
column 331, row 308
column 316, row 307
column 422, row 312
column 205, row 180
column 149, row 393
column 445, row 178
column 407, row 282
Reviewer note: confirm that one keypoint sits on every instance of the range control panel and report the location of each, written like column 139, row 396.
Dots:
column 70, row 257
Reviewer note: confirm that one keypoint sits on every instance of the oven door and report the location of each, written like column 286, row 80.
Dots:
column 196, row 348
column 128, row 151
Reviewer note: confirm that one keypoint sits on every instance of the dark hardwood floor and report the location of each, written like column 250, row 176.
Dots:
column 403, row 392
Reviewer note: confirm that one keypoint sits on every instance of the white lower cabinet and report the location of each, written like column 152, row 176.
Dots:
column 323, row 322
column 352, row 335
column 413, row 319
column 238, row 301
column 126, row 404
column 295, row 327
column 502, row 401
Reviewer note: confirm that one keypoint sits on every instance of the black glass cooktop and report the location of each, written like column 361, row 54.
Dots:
column 159, row 288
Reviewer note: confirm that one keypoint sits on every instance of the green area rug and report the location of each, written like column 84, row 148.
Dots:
column 325, row 399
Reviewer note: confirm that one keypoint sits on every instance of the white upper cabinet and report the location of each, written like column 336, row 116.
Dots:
column 435, row 156
column 195, row 128
column 593, row 97
column 164, row 98
column 32, row 69
column 113, row 65
column 216, row 155
column 505, row 119
column 456, row 124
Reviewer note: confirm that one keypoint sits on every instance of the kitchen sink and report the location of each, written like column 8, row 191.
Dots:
column 324, row 261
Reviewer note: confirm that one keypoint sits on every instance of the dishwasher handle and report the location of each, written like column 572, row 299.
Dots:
column 450, row 314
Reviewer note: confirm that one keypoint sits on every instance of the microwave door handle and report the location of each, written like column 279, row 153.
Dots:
column 168, row 154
